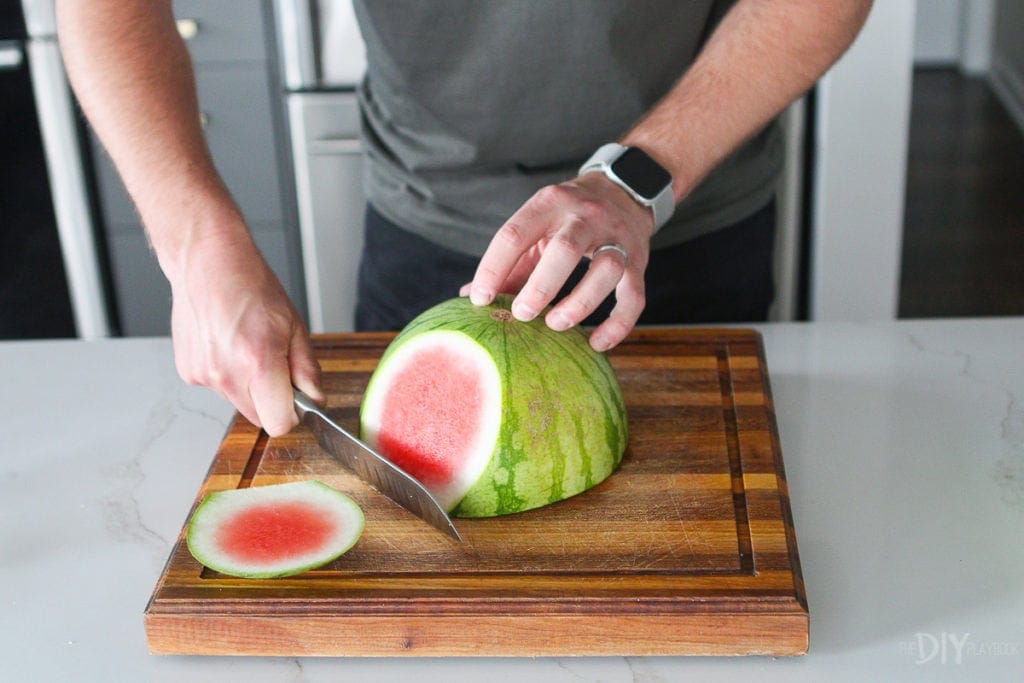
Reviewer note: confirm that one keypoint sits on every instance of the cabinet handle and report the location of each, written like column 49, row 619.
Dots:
column 187, row 28
column 331, row 145
column 10, row 57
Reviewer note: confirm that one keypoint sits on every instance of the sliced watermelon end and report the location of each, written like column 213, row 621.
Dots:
column 434, row 409
column 273, row 531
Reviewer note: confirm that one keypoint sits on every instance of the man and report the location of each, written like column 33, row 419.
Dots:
column 478, row 115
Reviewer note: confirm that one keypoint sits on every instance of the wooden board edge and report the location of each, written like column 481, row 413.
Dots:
column 325, row 340
column 780, row 473
column 639, row 334
column 491, row 636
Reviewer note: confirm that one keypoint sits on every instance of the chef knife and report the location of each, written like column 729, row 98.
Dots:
column 373, row 468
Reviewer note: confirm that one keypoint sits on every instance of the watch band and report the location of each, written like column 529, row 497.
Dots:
column 662, row 205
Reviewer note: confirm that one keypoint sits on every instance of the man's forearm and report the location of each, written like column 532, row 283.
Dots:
column 763, row 55
column 132, row 74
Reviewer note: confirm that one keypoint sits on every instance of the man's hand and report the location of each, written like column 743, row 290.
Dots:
column 236, row 332
column 537, row 249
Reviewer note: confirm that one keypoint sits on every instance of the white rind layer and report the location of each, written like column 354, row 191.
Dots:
column 219, row 507
column 483, row 446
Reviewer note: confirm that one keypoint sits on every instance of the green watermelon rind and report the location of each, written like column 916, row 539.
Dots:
column 354, row 518
column 560, row 447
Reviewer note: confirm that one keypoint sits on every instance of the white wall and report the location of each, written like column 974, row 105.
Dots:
column 1007, row 75
column 954, row 33
column 937, row 32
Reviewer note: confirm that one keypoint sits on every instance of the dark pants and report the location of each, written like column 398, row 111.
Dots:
column 724, row 276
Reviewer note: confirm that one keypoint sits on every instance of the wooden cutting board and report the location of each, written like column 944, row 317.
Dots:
column 688, row 548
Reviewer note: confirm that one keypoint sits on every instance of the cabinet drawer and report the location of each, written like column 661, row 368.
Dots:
column 143, row 294
column 239, row 125
column 221, row 31
column 236, row 107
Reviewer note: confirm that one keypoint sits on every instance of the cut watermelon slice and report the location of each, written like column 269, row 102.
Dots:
column 276, row 530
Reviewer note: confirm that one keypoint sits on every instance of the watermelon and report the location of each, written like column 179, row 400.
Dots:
column 494, row 415
column 275, row 530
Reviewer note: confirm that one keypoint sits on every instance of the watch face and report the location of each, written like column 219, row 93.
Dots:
column 641, row 172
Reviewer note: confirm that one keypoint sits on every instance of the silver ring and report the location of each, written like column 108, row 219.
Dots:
column 611, row 246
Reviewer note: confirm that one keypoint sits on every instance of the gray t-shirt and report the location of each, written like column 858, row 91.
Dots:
column 471, row 106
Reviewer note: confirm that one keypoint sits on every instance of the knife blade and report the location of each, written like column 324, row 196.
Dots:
column 372, row 467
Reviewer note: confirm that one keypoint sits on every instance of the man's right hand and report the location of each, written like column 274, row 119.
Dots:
column 236, row 332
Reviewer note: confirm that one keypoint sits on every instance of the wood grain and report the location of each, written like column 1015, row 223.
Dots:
column 688, row 548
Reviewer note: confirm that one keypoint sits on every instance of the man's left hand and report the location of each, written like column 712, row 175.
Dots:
column 537, row 249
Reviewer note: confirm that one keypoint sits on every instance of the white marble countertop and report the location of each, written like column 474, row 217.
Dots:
column 904, row 450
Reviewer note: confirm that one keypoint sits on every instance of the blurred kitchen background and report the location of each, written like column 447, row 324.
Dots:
column 903, row 193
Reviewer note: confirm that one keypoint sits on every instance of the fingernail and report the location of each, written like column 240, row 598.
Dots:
column 523, row 312
column 480, row 297
column 558, row 322
column 599, row 342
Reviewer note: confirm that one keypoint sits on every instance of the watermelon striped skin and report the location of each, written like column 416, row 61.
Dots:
column 562, row 417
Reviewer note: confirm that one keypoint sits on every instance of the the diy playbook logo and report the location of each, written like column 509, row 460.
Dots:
column 954, row 648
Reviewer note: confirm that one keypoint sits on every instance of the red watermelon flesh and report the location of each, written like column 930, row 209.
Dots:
column 442, row 396
column 275, row 530
column 262, row 534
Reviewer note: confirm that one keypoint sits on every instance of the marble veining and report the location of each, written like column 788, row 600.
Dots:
column 1008, row 470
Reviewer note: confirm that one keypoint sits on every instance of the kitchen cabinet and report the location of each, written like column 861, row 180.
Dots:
column 232, row 50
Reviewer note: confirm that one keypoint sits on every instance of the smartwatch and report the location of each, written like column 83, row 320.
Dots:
column 646, row 181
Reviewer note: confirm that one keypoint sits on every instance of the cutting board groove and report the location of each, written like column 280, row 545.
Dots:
column 688, row 548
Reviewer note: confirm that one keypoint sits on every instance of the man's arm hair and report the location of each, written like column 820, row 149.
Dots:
column 133, row 77
column 762, row 56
